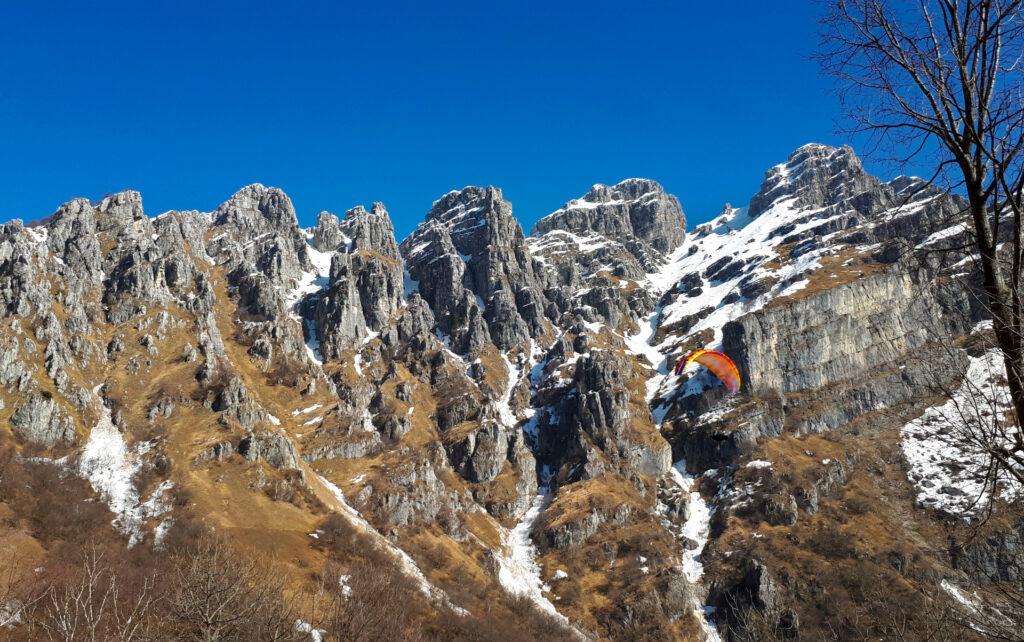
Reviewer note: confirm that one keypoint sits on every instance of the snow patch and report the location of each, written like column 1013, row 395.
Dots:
column 307, row 410
column 945, row 464
column 110, row 467
column 696, row 529
column 518, row 570
column 315, row 634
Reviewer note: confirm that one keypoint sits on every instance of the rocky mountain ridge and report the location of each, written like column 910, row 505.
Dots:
column 500, row 411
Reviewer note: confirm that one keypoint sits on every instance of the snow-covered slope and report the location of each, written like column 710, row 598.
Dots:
column 946, row 446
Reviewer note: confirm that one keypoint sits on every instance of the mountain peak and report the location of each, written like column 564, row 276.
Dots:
column 814, row 176
column 270, row 203
column 467, row 203
column 636, row 209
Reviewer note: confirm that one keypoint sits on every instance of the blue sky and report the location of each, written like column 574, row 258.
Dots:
column 341, row 104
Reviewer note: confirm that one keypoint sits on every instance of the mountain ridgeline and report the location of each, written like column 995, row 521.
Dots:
column 496, row 416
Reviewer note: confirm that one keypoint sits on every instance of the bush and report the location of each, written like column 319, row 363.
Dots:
column 831, row 542
column 58, row 506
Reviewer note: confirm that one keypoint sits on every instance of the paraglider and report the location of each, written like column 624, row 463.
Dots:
column 718, row 363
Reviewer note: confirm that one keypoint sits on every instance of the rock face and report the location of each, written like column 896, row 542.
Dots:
column 480, row 456
column 859, row 334
column 819, row 176
column 327, row 235
column 339, row 315
column 505, row 406
column 635, row 210
column 596, row 247
column 471, row 264
column 365, row 287
column 598, row 423
column 262, row 221
column 377, row 263
column 39, row 421
column 276, row 449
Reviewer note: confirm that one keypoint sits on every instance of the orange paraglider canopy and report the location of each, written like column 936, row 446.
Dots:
column 718, row 363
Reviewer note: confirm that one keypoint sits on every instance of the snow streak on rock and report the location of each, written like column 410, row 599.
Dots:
column 697, row 526
column 697, row 529
column 405, row 562
column 310, row 283
column 519, row 572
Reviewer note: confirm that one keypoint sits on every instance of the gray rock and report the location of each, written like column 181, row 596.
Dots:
column 633, row 209
column 857, row 333
column 274, row 448
column 39, row 420
column 472, row 266
column 817, row 176
column 258, row 226
column 13, row 372
column 22, row 290
column 413, row 493
column 365, row 290
column 234, row 401
column 600, row 413
column 217, row 452
column 327, row 235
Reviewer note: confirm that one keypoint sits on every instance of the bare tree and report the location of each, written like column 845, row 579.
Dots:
column 19, row 592
column 945, row 76
column 97, row 604
column 371, row 604
column 221, row 594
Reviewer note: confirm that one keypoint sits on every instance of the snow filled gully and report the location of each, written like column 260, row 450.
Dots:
column 110, row 466
column 697, row 527
column 519, row 573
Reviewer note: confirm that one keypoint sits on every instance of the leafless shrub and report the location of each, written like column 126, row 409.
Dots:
column 57, row 505
column 96, row 604
column 878, row 614
column 219, row 594
column 370, row 603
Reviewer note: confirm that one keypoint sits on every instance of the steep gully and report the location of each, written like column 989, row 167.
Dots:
column 697, row 526
column 520, row 574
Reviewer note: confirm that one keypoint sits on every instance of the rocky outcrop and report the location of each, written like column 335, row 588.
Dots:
column 377, row 264
column 365, row 289
column 257, row 226
column 38, row 420
column 274, row 448
column 993, row 556
column 569, row 534
column 339, row 315
column 636, row 212
column 327, row 235
column 343, row 437
column 759, row 590
column 852, row 337
column 600, row 427
column 235, row 402
column 472, row 266
column 489, row 449
column 596, row 248
column 22, row 289
column 413, row 493
column 819, row 176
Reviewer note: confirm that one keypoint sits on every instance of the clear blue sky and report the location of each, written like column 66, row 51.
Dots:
column 347, row 103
